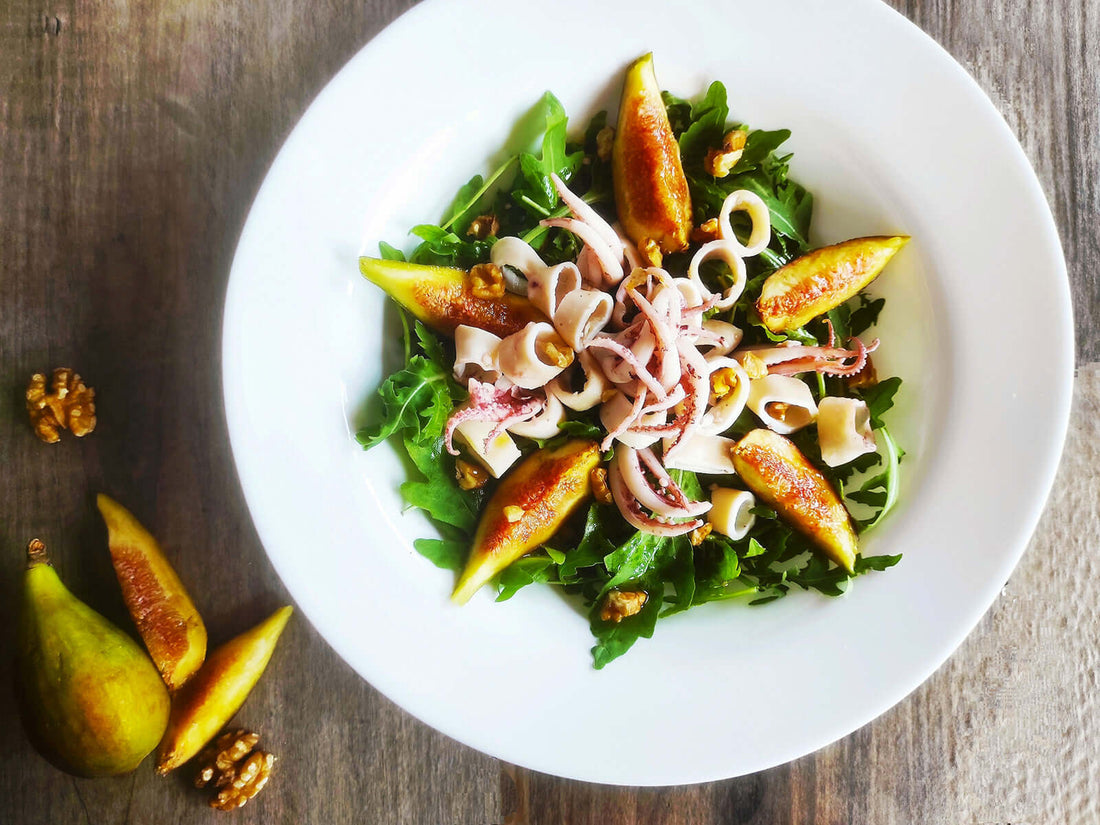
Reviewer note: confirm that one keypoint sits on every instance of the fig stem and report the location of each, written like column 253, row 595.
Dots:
column 36, row 553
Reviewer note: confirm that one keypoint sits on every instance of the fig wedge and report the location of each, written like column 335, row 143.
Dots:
column 651, row 192
column 772, row 467
column 209, row 700
column 165, row 616
column 528, row 507
column 443, row 297
column 824, row 279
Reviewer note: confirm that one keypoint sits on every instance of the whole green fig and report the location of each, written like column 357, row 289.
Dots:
column 92, row 701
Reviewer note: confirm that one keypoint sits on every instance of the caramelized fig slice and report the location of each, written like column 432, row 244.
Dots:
column 445, row 298
column 528, row 507
column 777, row 473
column 824, row 279
column 651, row 192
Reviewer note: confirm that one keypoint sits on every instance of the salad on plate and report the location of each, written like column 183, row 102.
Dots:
column 629, row 376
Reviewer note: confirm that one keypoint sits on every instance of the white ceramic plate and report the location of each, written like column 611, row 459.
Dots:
column 891, row 135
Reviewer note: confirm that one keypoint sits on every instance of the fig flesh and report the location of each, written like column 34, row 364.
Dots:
column 773, row 468
column 651, row 191
column 166, row 618
column 443, row 297
column 528, row 507
column 822, row 280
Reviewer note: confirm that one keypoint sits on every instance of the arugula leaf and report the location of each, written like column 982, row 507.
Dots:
column 416, row 402
column 417, row 398
column 466, row 197
column 522, row 572
column 613, row 639
column 636, row 557
column 536, row 192
column 449, row 554
column 590, row 550
column 442, row 247
column 880, row 398
column 708, row 126
column 439, row 494
column 887, row 480
column 390, row 253
column 865, row 315
column 866, row 563
column 464, row 207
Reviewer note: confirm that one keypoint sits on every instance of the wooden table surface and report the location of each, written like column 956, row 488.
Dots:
column 133, row 137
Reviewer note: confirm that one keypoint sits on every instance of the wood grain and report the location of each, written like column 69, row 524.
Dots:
column 133, row 136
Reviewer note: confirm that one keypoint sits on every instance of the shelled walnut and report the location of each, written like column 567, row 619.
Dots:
column 70, row 405
column 235, row 767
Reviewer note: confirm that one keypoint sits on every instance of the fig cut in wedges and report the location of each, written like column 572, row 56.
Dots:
column 651, row 192
column 166, row 618
column 444, row 297
column 218, row 690
column 528, row 507
column 772, row 467
column 822, row 280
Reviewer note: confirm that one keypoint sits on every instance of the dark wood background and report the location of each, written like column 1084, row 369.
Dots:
column 133, row 137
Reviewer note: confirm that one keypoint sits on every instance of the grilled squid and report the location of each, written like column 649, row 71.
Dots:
column 784, row 404
column 534, row 356
column 746, row 201
column 844, row 430
column 496, row 452
column 701, row 453
column 591, row 391
column 732, row 513
column 730, row 253
column 729, row 393
column 476, row 354
column 544, row 424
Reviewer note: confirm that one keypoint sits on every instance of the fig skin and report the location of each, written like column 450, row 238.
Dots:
column 547, row 487
column 442, row 298
column 91, row 700
column 822, row 280
column 209, row 700
column 774, row 469
column 651, row 191
column 162, row 610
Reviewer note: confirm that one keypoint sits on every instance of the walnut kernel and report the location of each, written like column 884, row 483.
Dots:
column 236, row 767
column 600, row 490
column 605, row 139
column 719, row 162
column 866, row 377
column 723, row 381
column 483, row 226
column 650, row 252
column 555, row 352
column 706, row 231
column 70, row 405
column 700, row 533
column 754, row 366
column 622, row 604
column 487, row 281
column 470, row 476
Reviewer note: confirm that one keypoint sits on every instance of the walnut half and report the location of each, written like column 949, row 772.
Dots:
column 622, row 604
column 69, row 406
column 234, row 766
